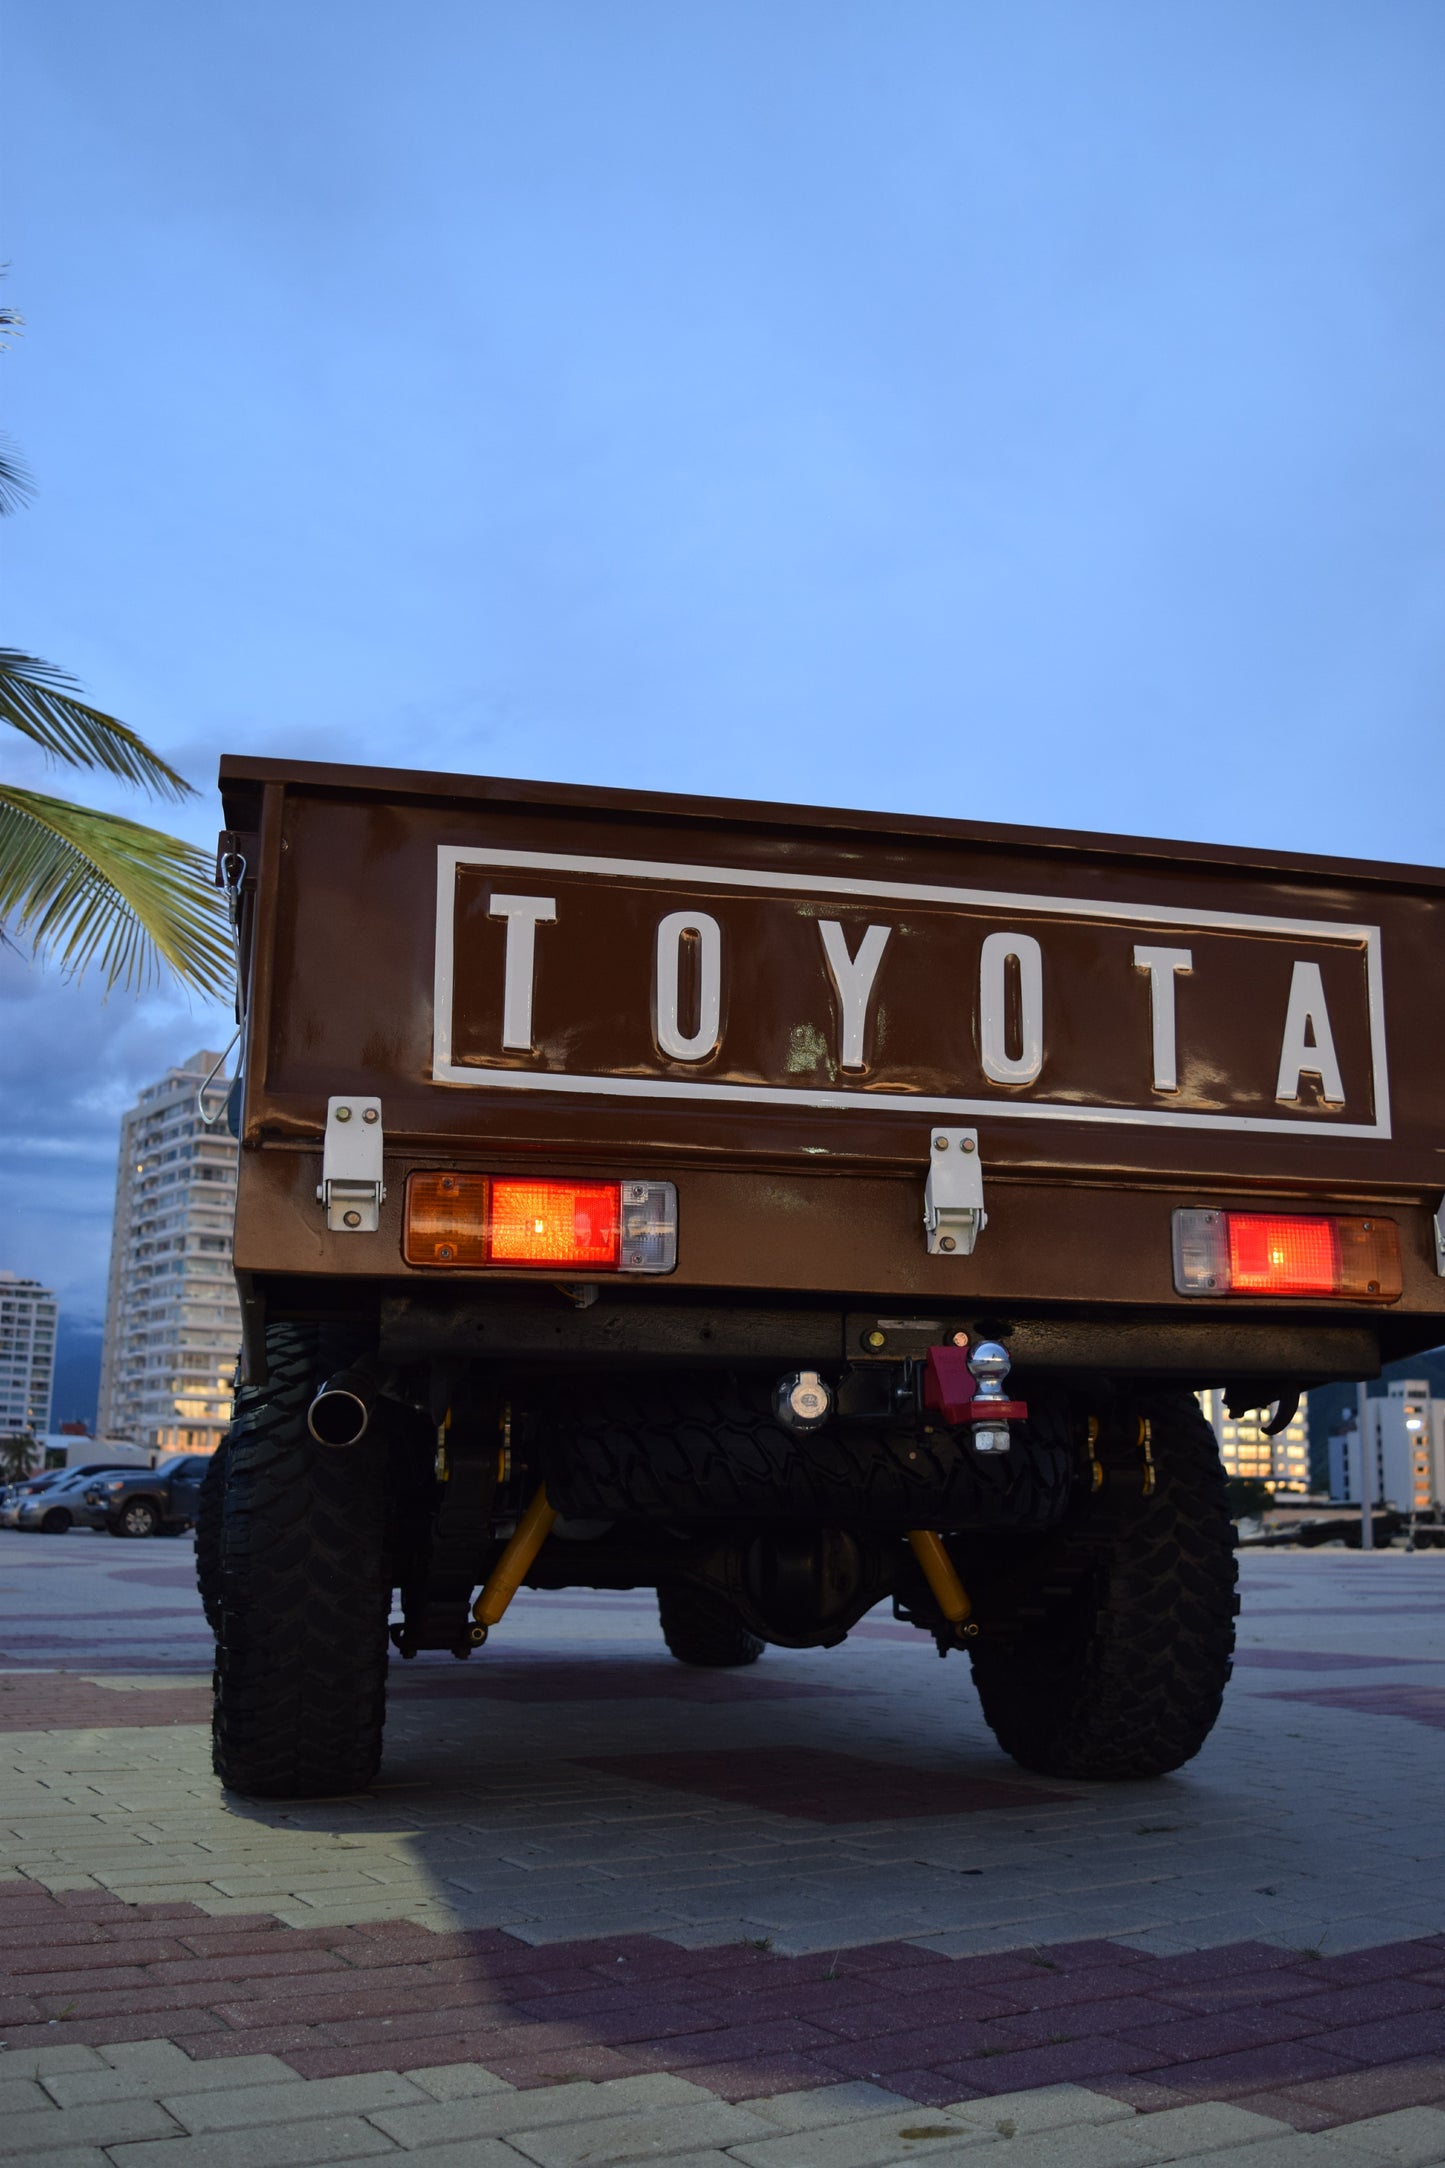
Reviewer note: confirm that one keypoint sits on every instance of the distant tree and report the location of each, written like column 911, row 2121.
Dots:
column 19, row 1456
column 86, row 887
column 1249, row 1498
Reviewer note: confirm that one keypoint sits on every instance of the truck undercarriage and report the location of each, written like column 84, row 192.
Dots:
column 1057, row 1563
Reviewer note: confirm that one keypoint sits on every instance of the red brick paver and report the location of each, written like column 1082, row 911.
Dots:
column 1417, row 1704
column 816, row 1786
column 1318, row 2043
column 1317, row 1660
column 55, row 1701
column 527, row 1678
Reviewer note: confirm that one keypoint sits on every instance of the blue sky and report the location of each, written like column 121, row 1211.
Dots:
column 1018, row 410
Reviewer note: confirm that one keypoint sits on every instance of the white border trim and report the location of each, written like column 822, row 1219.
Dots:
column 445, row 1071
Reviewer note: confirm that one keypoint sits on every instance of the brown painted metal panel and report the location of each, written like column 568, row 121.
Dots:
column 795, row 1172
column 845, row 1234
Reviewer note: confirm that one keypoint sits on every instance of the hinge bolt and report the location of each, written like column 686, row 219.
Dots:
column 369, row 1115
column 940, row 1144
column 343, row 1114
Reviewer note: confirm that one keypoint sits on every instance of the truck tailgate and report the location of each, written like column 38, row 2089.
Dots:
column 776, row 1007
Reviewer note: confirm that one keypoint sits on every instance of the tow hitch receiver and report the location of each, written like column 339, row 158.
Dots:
column 966, row 1386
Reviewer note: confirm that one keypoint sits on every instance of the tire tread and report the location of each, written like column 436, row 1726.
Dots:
column 303, row 1591
column 702, row 1629
column 1125, row 1679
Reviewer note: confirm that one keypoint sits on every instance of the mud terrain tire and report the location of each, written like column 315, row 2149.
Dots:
column 702, row 1629
column 304, row 1590
column 1123, row 1676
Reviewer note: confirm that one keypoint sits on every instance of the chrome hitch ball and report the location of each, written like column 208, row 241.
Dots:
column 991, row 1407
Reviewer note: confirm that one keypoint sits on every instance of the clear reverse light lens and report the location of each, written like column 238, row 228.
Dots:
column 649, row 1227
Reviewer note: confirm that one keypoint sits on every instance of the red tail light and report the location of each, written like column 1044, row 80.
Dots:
column 522, row 1221
column 1269, row 1255
column 1283, row 1253
column 555, row 1223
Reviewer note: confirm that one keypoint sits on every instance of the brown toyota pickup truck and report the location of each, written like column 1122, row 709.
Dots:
column 789, row 1210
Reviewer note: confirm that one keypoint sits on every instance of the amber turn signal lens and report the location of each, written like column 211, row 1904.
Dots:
column 446, row 1219
column 1370, row 1259
column 1287, row 1253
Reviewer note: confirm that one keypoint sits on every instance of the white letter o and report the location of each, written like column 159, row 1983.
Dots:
column 667, row 1023
column 999, row 1065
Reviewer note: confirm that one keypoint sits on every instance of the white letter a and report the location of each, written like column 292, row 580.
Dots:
column 1309, row 1044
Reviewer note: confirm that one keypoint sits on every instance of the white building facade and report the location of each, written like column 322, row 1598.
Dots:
column 1282, row 1462
column 1405, row 1441
column 172, row 1319
column 28, row 1317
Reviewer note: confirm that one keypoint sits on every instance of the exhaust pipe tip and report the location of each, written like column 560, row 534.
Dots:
column 341, row 1412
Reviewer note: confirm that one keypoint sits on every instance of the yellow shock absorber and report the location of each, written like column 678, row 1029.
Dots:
column 1091, row 1440
column 512, row 1568
column 941, row 1575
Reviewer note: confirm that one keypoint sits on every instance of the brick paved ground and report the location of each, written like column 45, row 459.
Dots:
column 603, row 1909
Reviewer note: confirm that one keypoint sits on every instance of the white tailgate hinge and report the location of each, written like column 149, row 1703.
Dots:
column 1440, row 1238
column 953, row 1213
column 352, row 1189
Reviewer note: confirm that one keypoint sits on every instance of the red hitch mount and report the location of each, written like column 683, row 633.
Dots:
column 967, row 1387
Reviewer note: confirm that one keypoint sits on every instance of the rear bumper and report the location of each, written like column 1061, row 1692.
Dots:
column 531, row 1328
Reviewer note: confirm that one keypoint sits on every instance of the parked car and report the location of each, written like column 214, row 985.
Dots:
column 55, row 1507
column 148, row 1501
column 14, row 1495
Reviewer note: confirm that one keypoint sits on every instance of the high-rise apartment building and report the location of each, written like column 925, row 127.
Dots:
column 172, row 1320
column 1405, row 1441
column 28, row 1314
column 1282, row 1462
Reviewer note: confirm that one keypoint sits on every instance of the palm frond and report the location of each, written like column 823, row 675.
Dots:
column 40, row 700
column 16, row 484
column 91, row 888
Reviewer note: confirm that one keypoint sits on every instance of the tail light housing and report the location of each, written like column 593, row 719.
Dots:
column 532, row 1223
column 1286, row 1253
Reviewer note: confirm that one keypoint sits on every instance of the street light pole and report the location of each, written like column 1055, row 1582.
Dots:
column 1367, row 1488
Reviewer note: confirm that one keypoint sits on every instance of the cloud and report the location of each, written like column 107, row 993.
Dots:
column 71, row 1062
